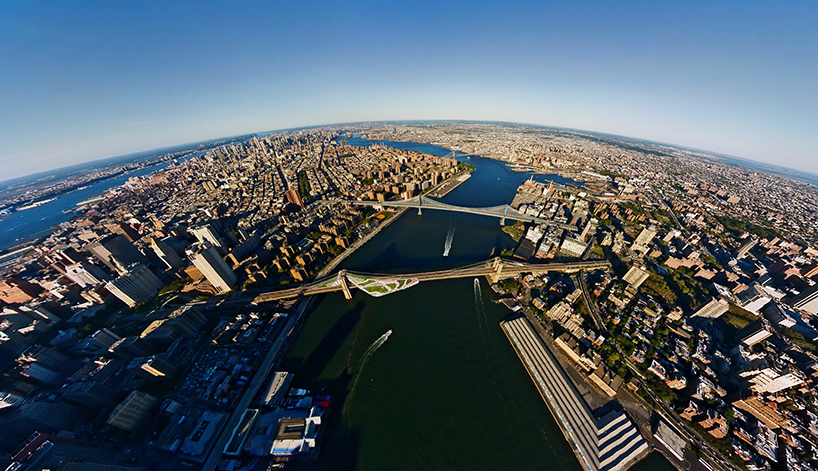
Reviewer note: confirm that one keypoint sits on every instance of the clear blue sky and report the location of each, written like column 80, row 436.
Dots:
column 85, row 80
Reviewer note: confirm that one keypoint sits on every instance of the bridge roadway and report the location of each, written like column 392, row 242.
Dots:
column 503, row 212
column 495, row 269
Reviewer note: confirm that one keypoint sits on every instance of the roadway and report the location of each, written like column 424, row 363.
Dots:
column 488, row 268
column 503, row 212
column 280, row 346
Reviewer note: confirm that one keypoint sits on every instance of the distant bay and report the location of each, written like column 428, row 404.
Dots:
column 22, row 226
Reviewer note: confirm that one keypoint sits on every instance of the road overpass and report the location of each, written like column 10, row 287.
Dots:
column 381, row 284
column 503, row 212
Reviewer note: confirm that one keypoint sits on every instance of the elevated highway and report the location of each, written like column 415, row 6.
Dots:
column 380, row 284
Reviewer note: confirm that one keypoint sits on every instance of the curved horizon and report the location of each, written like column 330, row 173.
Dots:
column 176, row 147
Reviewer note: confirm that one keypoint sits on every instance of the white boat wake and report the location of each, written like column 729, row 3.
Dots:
column 449, row 239
column 368, row 353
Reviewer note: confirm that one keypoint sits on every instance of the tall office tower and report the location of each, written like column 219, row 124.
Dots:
column 117, row 253
column 85, row 274
column 636, row 276
column 807, row 300
column 123, row 229
column 166, row 253
column 151, row 368
column 206, row 233
column 294, row 197
column 213, row 267
column 68, row 256
column 644, row 239
column 745, row 248
column 137, row 286
column 209, row 186
column 712, row 310
column 133, row 411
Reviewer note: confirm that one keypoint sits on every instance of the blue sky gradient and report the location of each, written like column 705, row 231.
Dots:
column 90, row 79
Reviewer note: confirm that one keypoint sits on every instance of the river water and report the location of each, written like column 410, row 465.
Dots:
column 445, row 391
column 21, row 226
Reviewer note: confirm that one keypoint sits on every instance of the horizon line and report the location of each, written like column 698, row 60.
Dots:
column 316, row 126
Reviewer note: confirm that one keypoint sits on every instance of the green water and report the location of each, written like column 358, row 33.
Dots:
column 445, row 391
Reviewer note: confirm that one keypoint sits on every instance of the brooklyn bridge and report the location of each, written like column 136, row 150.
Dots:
column 379, row 284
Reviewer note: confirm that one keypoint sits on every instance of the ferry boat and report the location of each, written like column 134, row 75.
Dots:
column 36, row 204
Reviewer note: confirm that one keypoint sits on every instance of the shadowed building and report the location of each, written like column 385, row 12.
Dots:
column 213, row 267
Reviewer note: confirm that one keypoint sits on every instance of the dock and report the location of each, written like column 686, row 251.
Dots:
column 609, row 443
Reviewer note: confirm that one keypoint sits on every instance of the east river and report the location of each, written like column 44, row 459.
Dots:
column 445, row 391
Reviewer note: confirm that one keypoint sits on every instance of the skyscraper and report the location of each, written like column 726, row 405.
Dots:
column 85, row 274
column 206, row 233
column 213, row 267
column 636, row 276
column 137, row 286
column 643, row 240
column 117, row 253
column 745, row 248
column 807, row 300
column 294, row 197
column 166, row 253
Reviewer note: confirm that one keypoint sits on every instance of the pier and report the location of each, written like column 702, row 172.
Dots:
column 609, row 443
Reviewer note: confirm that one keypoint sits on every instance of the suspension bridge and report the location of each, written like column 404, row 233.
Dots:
column 381, row 284
column 503, row 212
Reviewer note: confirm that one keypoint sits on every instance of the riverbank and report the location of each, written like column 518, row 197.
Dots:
column 440, row 190
column 473, row 406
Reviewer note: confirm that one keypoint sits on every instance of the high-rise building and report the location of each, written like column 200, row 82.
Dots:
column 85, row 274
column 213, row 267
column 745, row 248
column 39, row 372
column 90, row 393
column 151, row 368
column 636, row 276
column 135, row 287
column 187, row 321
column 294, row 197
column 128, row 348
column 166, row 253
column 206, row 234
column 807, row 300
column 117, row 253
column 643, row 240
column 131, row 412
column 123, row 229
column 712, row 310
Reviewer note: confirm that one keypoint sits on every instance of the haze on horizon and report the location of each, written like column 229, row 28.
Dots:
column 90, row 80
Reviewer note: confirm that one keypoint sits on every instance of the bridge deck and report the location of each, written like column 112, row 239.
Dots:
column 508, row 268
column 502, row 212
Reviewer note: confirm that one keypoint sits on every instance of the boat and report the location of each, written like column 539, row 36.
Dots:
column 91, row 200
column 36, row 204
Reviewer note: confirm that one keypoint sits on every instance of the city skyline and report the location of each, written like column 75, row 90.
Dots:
column 92, row 83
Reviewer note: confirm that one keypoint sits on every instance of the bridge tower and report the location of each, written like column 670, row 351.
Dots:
column 420, row 205
column 505, row 212
column 497, row 266
column 342, row 277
